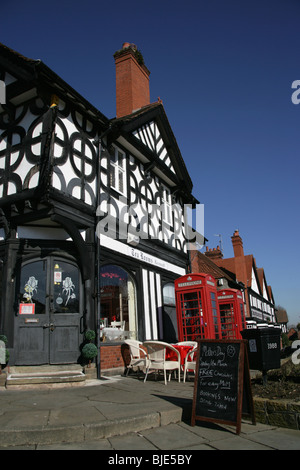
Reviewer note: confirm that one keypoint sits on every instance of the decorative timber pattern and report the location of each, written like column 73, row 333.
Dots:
column 44, row 148
column 20, row 148
column 142, row 210
column 150, row 136
column 74, row 156
column 41, row 146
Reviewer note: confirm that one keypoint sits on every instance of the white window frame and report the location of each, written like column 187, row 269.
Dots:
column 118, row 173
column 166, row 201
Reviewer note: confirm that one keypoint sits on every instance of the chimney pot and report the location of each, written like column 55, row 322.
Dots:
column 214, row 253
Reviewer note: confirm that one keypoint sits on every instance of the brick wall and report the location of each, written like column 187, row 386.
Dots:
column 114, row 356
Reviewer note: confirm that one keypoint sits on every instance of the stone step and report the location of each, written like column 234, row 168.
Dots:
column 46, row 374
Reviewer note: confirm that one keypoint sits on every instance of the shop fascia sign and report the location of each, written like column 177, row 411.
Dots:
column 140, row 255
column 146, row 258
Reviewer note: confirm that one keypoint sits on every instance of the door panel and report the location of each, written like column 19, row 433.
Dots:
column 64, row 346
column 33, row 343
column 52, row 333
column 64, row 312
column 32, row 338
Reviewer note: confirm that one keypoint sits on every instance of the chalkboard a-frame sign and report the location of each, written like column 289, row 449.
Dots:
column 222, row 389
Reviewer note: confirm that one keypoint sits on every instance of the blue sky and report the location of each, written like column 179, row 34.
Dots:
column 224, row 70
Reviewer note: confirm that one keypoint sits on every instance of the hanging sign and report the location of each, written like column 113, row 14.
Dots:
column 222, row 389
column 26, row 309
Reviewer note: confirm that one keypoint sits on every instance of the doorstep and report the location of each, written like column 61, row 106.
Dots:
column 44, row 375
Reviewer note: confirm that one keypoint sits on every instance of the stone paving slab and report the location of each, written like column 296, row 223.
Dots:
column 123, row 413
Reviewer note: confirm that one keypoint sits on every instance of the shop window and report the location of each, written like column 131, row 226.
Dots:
column 169, row 294
column 170, row 332
column 118, row 301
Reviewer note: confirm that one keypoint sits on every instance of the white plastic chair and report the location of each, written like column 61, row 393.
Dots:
column 194, row 344
column 189, row 363
column 138, row 357
column 157, row 358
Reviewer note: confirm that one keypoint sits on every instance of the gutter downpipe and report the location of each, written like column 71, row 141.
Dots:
column 99, row 145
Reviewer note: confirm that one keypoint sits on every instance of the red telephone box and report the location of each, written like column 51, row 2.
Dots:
column 232, row 315
column 197, row 307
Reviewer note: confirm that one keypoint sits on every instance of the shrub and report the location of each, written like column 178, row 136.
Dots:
column 90, row 335
column 89, row 351
column 3, row 338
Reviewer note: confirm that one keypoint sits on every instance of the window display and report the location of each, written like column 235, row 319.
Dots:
column 118, row 303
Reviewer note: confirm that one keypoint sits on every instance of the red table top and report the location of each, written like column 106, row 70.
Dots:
column 183, row 350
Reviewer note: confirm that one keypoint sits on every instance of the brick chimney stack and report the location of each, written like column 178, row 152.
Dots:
column 214, row 253
column 237, row 244
column 132, row 80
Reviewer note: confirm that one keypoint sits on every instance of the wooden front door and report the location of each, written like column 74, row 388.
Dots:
column 49, row 319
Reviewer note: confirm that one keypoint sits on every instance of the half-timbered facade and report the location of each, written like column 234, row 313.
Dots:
column 92, row 220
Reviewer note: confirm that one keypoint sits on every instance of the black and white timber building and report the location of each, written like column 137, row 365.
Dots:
column 92, row 220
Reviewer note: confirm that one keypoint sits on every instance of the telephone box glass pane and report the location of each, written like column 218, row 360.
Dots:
column 193, row 322
column 214, row 314
column 227, row 321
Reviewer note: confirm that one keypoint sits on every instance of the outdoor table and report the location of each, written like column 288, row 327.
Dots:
column 183, row 350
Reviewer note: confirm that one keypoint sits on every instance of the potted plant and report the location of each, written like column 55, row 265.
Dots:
column 89, row 351
column 3, row 338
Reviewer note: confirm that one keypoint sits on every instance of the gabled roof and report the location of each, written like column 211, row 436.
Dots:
column 281, row 316
column 35, row 73
column 263, row 283
column 245, row 269
column 271, row 297
column 149, row 129
column 162, row 154
column 244, row 273
column 203, row 264
column 242, row 270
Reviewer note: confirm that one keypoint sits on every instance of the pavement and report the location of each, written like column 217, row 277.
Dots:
column 123, row 413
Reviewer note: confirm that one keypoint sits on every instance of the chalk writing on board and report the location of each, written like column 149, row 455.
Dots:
column 222, row 388
column 217, row 380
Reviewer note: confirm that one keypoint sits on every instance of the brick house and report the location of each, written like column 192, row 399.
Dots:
column 259, row 300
